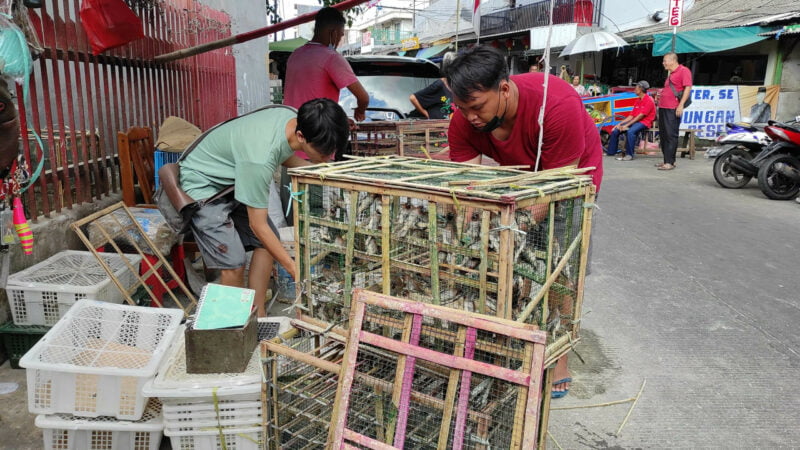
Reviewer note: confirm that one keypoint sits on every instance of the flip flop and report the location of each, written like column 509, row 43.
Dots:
column 666, row 167
column 560, row 394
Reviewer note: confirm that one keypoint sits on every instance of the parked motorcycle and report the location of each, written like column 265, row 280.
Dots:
column 742, row 141
column 779, row 170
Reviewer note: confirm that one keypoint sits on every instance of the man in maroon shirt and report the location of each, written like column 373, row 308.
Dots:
column 676, row 92
column 500, row 118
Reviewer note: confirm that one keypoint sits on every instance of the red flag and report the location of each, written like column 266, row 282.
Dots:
column 476, row 6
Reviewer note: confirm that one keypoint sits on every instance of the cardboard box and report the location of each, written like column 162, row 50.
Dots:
column 225, row 350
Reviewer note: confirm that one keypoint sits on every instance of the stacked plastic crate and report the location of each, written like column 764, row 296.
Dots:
column 210, row 411
column 41, row 294
column 93, row 364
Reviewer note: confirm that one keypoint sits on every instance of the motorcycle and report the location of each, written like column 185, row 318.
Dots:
column 779, row 169
column 742, row 141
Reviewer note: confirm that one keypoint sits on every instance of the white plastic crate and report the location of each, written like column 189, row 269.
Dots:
column 66, row 432
column 174, row 386
column 43, row 293
column 250, row 438
column 95, row 361
column 201, row 416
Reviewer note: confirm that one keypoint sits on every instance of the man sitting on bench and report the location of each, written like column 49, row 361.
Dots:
column 641, row 118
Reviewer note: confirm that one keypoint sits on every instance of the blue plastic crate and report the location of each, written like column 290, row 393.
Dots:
column 161, row 157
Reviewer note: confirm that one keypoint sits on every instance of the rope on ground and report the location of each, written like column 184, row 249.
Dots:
column 627, row 416
column 554, row 440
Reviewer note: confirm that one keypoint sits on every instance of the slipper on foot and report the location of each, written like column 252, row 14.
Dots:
column 666, row 167
column 560, row 394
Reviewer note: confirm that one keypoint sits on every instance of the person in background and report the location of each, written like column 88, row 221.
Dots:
column 761, row 112
column 434, row 101
column 316, row 70
column 244, row 153
column 677, row 88
column 9, row 128
column 576, row 84
column 641, row 118
column 499, row 117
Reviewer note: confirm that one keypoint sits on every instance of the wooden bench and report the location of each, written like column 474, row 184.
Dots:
column 689, row 135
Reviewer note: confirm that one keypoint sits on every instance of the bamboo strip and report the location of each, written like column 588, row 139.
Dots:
column 484, row 264
column 400, row 368
column 386, row 245
column 550, row 280
column 544, row 418
column 305, row 245
column 635, row 401
column 434, row 252
column 351, row 243
column 506, row 280
column 586, row 230
column 521, row 403
column 551, row 242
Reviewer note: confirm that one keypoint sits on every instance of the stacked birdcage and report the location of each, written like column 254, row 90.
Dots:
column 492, row 240
column 418, row 138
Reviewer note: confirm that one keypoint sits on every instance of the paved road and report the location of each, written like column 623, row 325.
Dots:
column 694, row 288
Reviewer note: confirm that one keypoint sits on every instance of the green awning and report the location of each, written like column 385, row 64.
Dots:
column 287, row 45
column 708, row 41
column 430, row 52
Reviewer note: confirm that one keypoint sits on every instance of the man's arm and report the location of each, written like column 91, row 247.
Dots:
column 258, row 223
column 295, row 161
column 362, row 98
column 413, row 99
column 687, row 91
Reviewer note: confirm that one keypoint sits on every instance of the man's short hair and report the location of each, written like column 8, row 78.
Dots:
column 328, row 17
column 672, row 55
column 480, row 68
column 324, row 124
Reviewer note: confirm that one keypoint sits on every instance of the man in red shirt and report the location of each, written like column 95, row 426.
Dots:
column 482, row 89
column 676, row 92
column 316, row 70
column 500, row 118
column 641, row 118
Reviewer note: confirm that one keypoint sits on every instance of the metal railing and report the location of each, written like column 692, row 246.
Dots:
column 79, row 101
column 524, row 17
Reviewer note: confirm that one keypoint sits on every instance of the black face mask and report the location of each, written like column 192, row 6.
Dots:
column 497, row 120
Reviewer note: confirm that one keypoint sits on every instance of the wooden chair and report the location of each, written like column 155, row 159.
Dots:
column 136, row 164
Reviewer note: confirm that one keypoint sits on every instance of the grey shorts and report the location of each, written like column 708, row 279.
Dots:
column 222, row 231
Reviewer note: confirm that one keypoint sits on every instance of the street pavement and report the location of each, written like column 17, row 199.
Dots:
column 695, row 289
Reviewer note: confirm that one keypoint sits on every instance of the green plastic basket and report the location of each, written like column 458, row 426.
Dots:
column 18, row 339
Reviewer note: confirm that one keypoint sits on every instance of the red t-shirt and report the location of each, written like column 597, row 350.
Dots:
column 646, row 106
column 569, row 132
column 681, row 77
column 315, row 71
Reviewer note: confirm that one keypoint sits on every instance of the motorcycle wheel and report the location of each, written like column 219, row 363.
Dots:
column 727, row 176
column 774, row 184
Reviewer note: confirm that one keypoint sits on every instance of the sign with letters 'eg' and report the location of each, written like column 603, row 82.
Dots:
column 675, row 11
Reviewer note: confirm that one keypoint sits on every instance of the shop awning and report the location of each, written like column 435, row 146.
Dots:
column 430, row 52
column 708, row 41
column 287, row 45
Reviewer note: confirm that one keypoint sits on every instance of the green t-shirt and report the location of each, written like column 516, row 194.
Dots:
column 245, row 151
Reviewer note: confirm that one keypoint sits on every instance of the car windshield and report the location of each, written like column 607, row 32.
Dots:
column 385, row 92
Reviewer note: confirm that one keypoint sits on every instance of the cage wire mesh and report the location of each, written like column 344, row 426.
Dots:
column 479, row 239
column 417, row 138
column 300, row 392
column 428, row 403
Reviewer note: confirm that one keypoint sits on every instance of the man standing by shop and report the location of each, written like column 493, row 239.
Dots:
column 676, row 92
column 499, row 118
column 316, row 70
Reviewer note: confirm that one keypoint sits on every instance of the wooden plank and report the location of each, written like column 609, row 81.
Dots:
column 518, row 423
column 386, row 243
column 498, row 325
column 460, row 363
column 403, row 406
column 342, row 403
column 304, row 250
column 397, row 386
column 365, row 441
column 450, row 396
column 586, row 230
column 532, row 402
column 351, row 243
column 463, row 395
column 506, row 280
column 433, row 237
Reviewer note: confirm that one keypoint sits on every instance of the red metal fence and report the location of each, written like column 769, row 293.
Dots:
column 78, row 101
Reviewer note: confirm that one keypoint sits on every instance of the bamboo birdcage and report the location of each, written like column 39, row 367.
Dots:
column 491, row 240
column 418, row 138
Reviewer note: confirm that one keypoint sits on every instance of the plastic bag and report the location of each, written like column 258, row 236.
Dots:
column 15, row 59
column 109, row 24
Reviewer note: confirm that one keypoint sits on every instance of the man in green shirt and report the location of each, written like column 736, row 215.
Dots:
column 245, row 152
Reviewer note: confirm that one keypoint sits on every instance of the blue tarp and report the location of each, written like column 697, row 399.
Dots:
column 427, row 53
column 708, row 41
